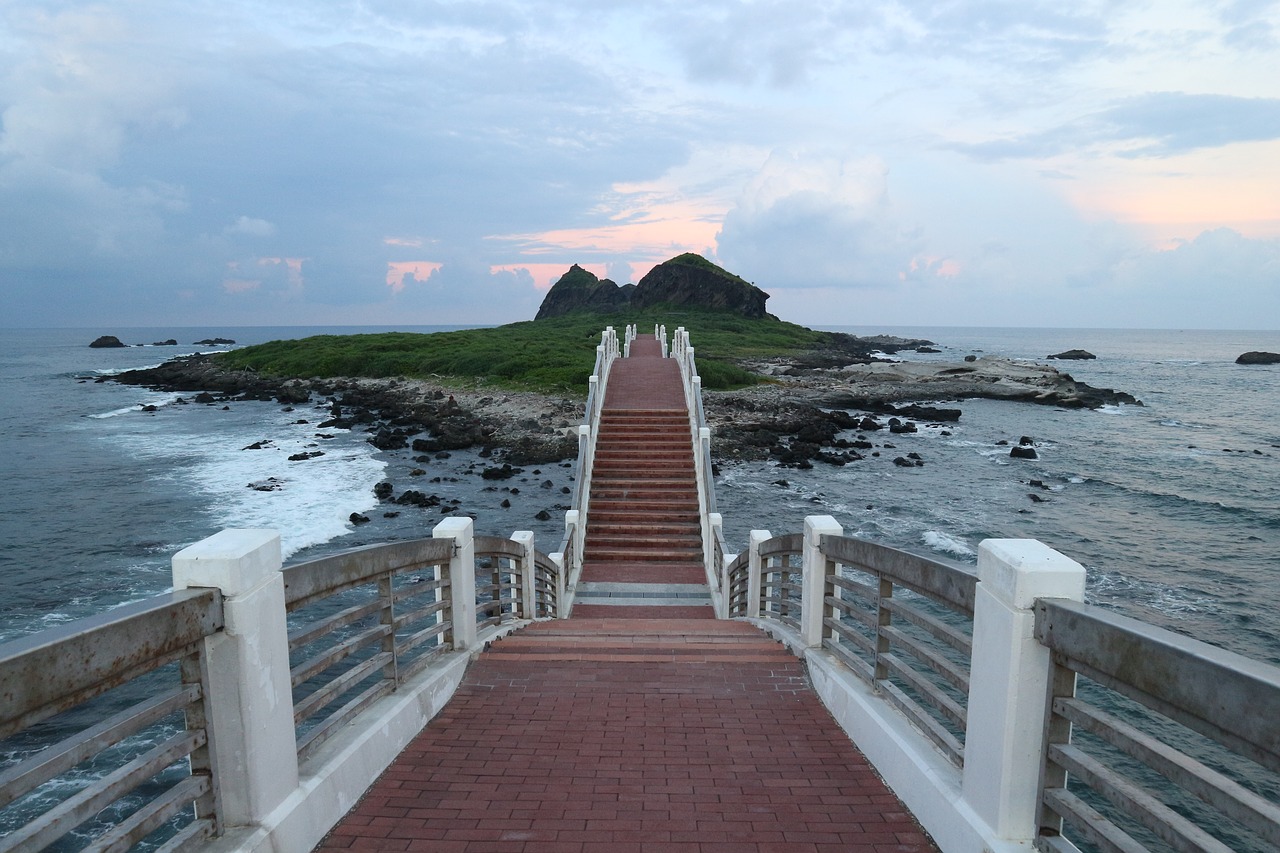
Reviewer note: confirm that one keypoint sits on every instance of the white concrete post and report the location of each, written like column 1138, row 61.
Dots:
column 558, row 559
column 524, row 538
column 1009, row 680
column 715, row 522
column 571, row 530
column 462, row 578
column 252, row 743
column 814, row 586
column 754, row 567
column 723, row 612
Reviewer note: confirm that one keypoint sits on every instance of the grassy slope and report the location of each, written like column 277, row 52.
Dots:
column 553, row 355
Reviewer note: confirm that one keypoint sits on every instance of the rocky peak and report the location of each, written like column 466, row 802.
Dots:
column 690, row 280
column 579, row 290
column 687, row 281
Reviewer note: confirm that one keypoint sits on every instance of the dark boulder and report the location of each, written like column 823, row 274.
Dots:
column 357, row 518
column 1073, row 355
column 1257, row 357
column 107, row 342
column 1023, row 452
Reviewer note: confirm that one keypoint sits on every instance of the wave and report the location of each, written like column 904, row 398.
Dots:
column 945, row 544
column 159, row 401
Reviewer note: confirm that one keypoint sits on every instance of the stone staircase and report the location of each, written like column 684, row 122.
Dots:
column 644, row 538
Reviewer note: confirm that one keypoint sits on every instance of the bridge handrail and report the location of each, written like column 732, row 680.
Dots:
column 305, row 649
column 385, row 628
column 713, row 544
column 1183, row 739
column 53, row 674
column 570, row 552
column 1230, row 700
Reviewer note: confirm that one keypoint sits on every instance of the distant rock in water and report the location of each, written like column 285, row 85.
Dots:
column 214, row 342
column 579, row 290
column 686, row 281
column 1074, row 355
column 1259, row 358
column 107, row 341
column 169, row 343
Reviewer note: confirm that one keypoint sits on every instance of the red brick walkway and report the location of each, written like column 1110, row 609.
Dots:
column 620, row 735
column 654, row 728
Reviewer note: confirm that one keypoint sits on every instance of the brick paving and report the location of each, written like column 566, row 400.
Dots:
column 633, row 729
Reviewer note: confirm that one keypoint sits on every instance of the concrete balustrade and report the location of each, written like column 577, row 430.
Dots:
column 270, row 801
column 991, row 805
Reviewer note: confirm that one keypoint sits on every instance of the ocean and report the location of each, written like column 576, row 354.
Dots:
column 1172, row 507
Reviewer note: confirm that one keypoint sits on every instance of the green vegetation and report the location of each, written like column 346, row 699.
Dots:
column 693, row 259
column 552, row 355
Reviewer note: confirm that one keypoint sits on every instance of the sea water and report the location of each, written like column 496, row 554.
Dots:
column 1172, row 507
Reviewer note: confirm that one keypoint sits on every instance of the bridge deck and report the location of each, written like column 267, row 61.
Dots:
column 633, row 727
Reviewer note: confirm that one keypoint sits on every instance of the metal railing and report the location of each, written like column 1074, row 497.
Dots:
column 570, row 552
column 361, row 623
column 914, row 646
column 1166, row 743
column 1151, row 741
column 499, row 581
column 107, row 717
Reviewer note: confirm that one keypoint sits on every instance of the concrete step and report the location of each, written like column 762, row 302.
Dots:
column 644, row 525
column 657, row 471
column 646, row 541
column 604, row 555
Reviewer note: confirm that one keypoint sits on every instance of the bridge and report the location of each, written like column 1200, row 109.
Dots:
column 643, row 687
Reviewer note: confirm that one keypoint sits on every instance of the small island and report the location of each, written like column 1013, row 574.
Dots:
column 1259, row 358
column 772, row 389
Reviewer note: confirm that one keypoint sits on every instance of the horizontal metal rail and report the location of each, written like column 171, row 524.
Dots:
column 53, row 670
column 351, row 653
column 1229, row 700
column 53, row 674
column 902, row 644
column 305, row 582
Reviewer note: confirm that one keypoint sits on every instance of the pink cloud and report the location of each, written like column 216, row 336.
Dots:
column 398, row 271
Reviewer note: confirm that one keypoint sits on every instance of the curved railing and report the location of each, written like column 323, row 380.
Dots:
column 713, row 543
column 1165, row 742
column 147, row 724
column 109, row 714
column 575, row 523
column 1064, row 724
column 361, row 623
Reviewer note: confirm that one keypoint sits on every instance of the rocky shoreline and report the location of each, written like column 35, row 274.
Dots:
column 814, row 408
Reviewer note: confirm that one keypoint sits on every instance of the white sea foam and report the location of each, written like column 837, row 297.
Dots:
column 314, row 497
column 945, row 544
column 156, row 399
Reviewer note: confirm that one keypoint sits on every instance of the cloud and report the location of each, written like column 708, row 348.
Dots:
column 250, row 227
column 816, row 221
column 1155, row 124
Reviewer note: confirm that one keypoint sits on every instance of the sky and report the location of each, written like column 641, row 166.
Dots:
column 1099, row 163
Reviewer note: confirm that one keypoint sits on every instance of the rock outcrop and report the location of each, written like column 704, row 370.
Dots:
column 685, row 281
column 107, row 341
column 1259, row 358
column 691, row 281
column 1073, row 355
column 579, row 290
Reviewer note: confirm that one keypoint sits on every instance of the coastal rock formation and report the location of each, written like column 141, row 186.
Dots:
column 1257, row 357
column 579, row 290
column 687, row 281
column 106, row 342
column 1073, row 355
column 692, row 281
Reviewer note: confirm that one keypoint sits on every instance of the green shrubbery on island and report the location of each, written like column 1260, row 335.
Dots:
column 551, row 355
